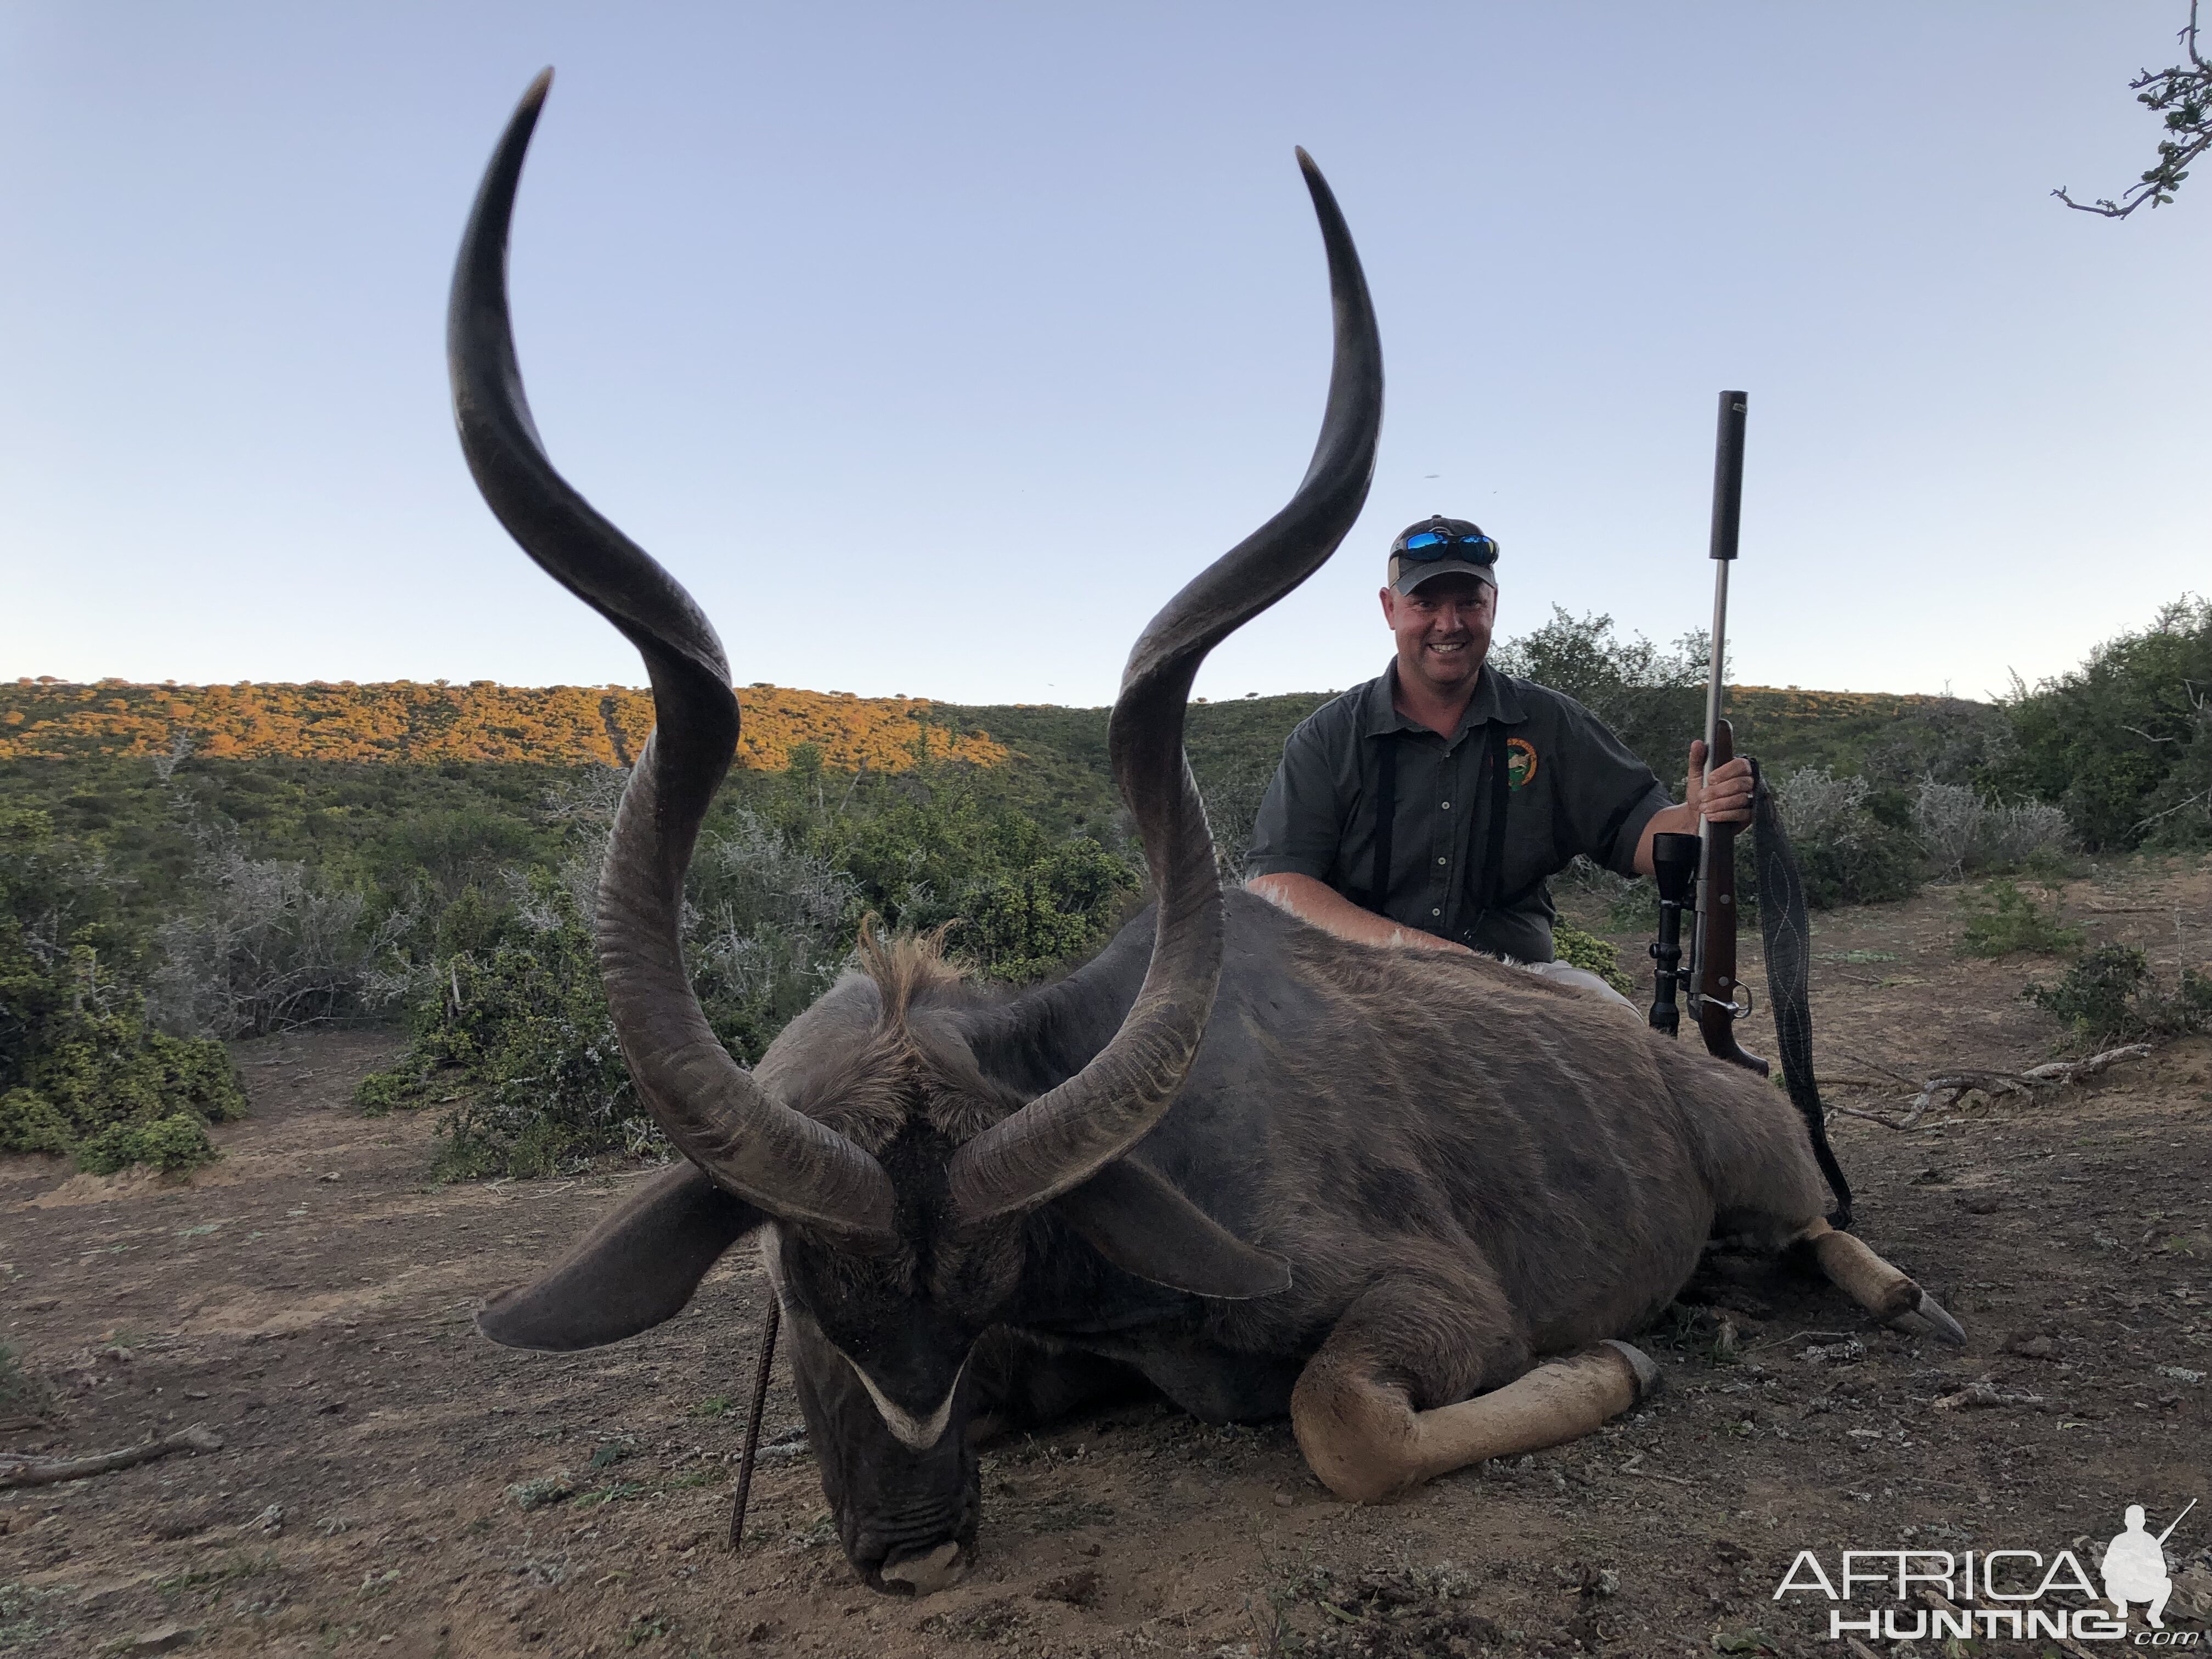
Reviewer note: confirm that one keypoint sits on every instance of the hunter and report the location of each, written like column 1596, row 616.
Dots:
column 1386, row 821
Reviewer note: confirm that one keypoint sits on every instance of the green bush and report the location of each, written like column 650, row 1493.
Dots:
column 508, row 1013
column 172, row 1144
column 2003, row 920
column 2124, row 742
column 2111, row 996
column 519, row 1029
column 77, row 1060
column 1578, row 949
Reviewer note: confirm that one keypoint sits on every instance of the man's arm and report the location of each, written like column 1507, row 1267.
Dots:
column 1725, row 798
column 1317, row 902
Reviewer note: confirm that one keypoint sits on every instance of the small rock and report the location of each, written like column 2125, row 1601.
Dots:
column 271, row 1520
column 1981, row 1203
column 196, row 1394
column 329, row 1175
column 2181, row 1373
column 1931, row 1177
column 2029, row 1346
column 162, row 1638
column 1284, row 1500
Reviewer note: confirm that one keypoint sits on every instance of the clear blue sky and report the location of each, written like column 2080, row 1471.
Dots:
column 934, row 346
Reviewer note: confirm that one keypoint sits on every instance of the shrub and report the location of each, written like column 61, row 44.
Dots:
column 2111, row 996
column 1845, row 853
column 172, row 1144
column 1962, row 833
column 80, row 1063
column 266, row 945
column 76, row 1058
column 2005, row 920
column 2124, row 742
column 1947, row 740
column 518, row 1028
column 1578, row 949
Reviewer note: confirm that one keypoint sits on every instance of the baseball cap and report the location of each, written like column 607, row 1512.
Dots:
column 1438, row 546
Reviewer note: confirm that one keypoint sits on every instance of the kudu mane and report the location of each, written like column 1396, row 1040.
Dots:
column 905, row 1061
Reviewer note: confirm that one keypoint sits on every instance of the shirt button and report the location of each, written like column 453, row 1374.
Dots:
column 1444, row 805
column 1443, row 860
column 1436, row 913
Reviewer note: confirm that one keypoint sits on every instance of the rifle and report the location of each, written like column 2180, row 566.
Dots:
column 1713, row 958
column 1696, row 875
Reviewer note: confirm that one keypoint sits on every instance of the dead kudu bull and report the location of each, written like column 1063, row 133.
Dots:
column 1414, row 1200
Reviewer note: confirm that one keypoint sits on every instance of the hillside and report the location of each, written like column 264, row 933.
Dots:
column 405, row 723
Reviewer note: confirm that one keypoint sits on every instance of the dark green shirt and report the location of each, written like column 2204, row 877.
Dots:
column 1572, row 787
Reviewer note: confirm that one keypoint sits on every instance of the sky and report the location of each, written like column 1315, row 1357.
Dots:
column 934, row 347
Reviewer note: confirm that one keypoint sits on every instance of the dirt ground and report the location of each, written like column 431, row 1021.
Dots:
column 309, row 1298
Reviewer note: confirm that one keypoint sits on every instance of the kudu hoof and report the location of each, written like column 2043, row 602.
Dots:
column 1930, row 1318
column 1650, row 1379
column 927, row 1574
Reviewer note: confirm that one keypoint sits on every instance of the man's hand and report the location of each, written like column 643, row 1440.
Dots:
column 1725, row 796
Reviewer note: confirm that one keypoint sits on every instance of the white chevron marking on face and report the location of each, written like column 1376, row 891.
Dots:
column 915, row 1433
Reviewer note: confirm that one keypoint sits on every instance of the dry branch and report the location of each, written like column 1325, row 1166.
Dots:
column 1954, row 1086
column 41, row 1472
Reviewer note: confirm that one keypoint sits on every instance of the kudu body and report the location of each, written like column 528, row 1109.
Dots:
column 1390, row 1183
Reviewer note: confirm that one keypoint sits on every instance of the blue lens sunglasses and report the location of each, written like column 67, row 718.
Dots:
column 1436, row 544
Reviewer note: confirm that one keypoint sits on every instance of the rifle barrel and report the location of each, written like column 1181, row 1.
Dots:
column 1728, row 519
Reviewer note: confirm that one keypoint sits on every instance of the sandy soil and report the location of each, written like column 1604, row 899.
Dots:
column 309, row 1298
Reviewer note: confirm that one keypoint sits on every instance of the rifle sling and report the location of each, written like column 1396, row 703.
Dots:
column 1788, row 938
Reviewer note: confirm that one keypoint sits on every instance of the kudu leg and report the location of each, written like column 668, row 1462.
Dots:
column 1877, row 1286
column 1354, row 1407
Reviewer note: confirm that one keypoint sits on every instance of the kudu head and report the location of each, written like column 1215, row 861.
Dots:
column 899, row 1188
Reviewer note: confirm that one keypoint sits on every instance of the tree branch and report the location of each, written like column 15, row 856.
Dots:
column 40, row 1472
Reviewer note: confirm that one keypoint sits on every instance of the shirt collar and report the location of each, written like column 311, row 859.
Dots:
column 1497, row 697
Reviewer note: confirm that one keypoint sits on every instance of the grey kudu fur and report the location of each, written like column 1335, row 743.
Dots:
column 977, row 1208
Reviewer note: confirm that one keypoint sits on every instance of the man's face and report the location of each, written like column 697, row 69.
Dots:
column 1443, row 629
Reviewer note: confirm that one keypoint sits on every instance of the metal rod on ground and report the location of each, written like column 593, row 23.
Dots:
column 753, row 1423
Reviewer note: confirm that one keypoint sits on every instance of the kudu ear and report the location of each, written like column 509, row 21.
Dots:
column 637, row 1267
column 1139, row 1222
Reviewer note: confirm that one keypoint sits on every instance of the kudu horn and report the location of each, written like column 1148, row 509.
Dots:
column 787, row 1163
column 1069, row 1133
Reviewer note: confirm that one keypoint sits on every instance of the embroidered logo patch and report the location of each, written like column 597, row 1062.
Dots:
column 1520, row 762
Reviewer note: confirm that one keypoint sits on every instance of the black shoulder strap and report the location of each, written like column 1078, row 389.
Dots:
column 1493, row 881
column 1386, row 817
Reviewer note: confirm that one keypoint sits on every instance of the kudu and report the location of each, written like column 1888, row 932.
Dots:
column 1415, row 1200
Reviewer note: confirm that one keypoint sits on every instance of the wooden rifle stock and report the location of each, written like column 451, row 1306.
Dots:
column 1716, row 995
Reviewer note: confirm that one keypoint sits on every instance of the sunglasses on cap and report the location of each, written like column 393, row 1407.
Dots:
column 1438, row 545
